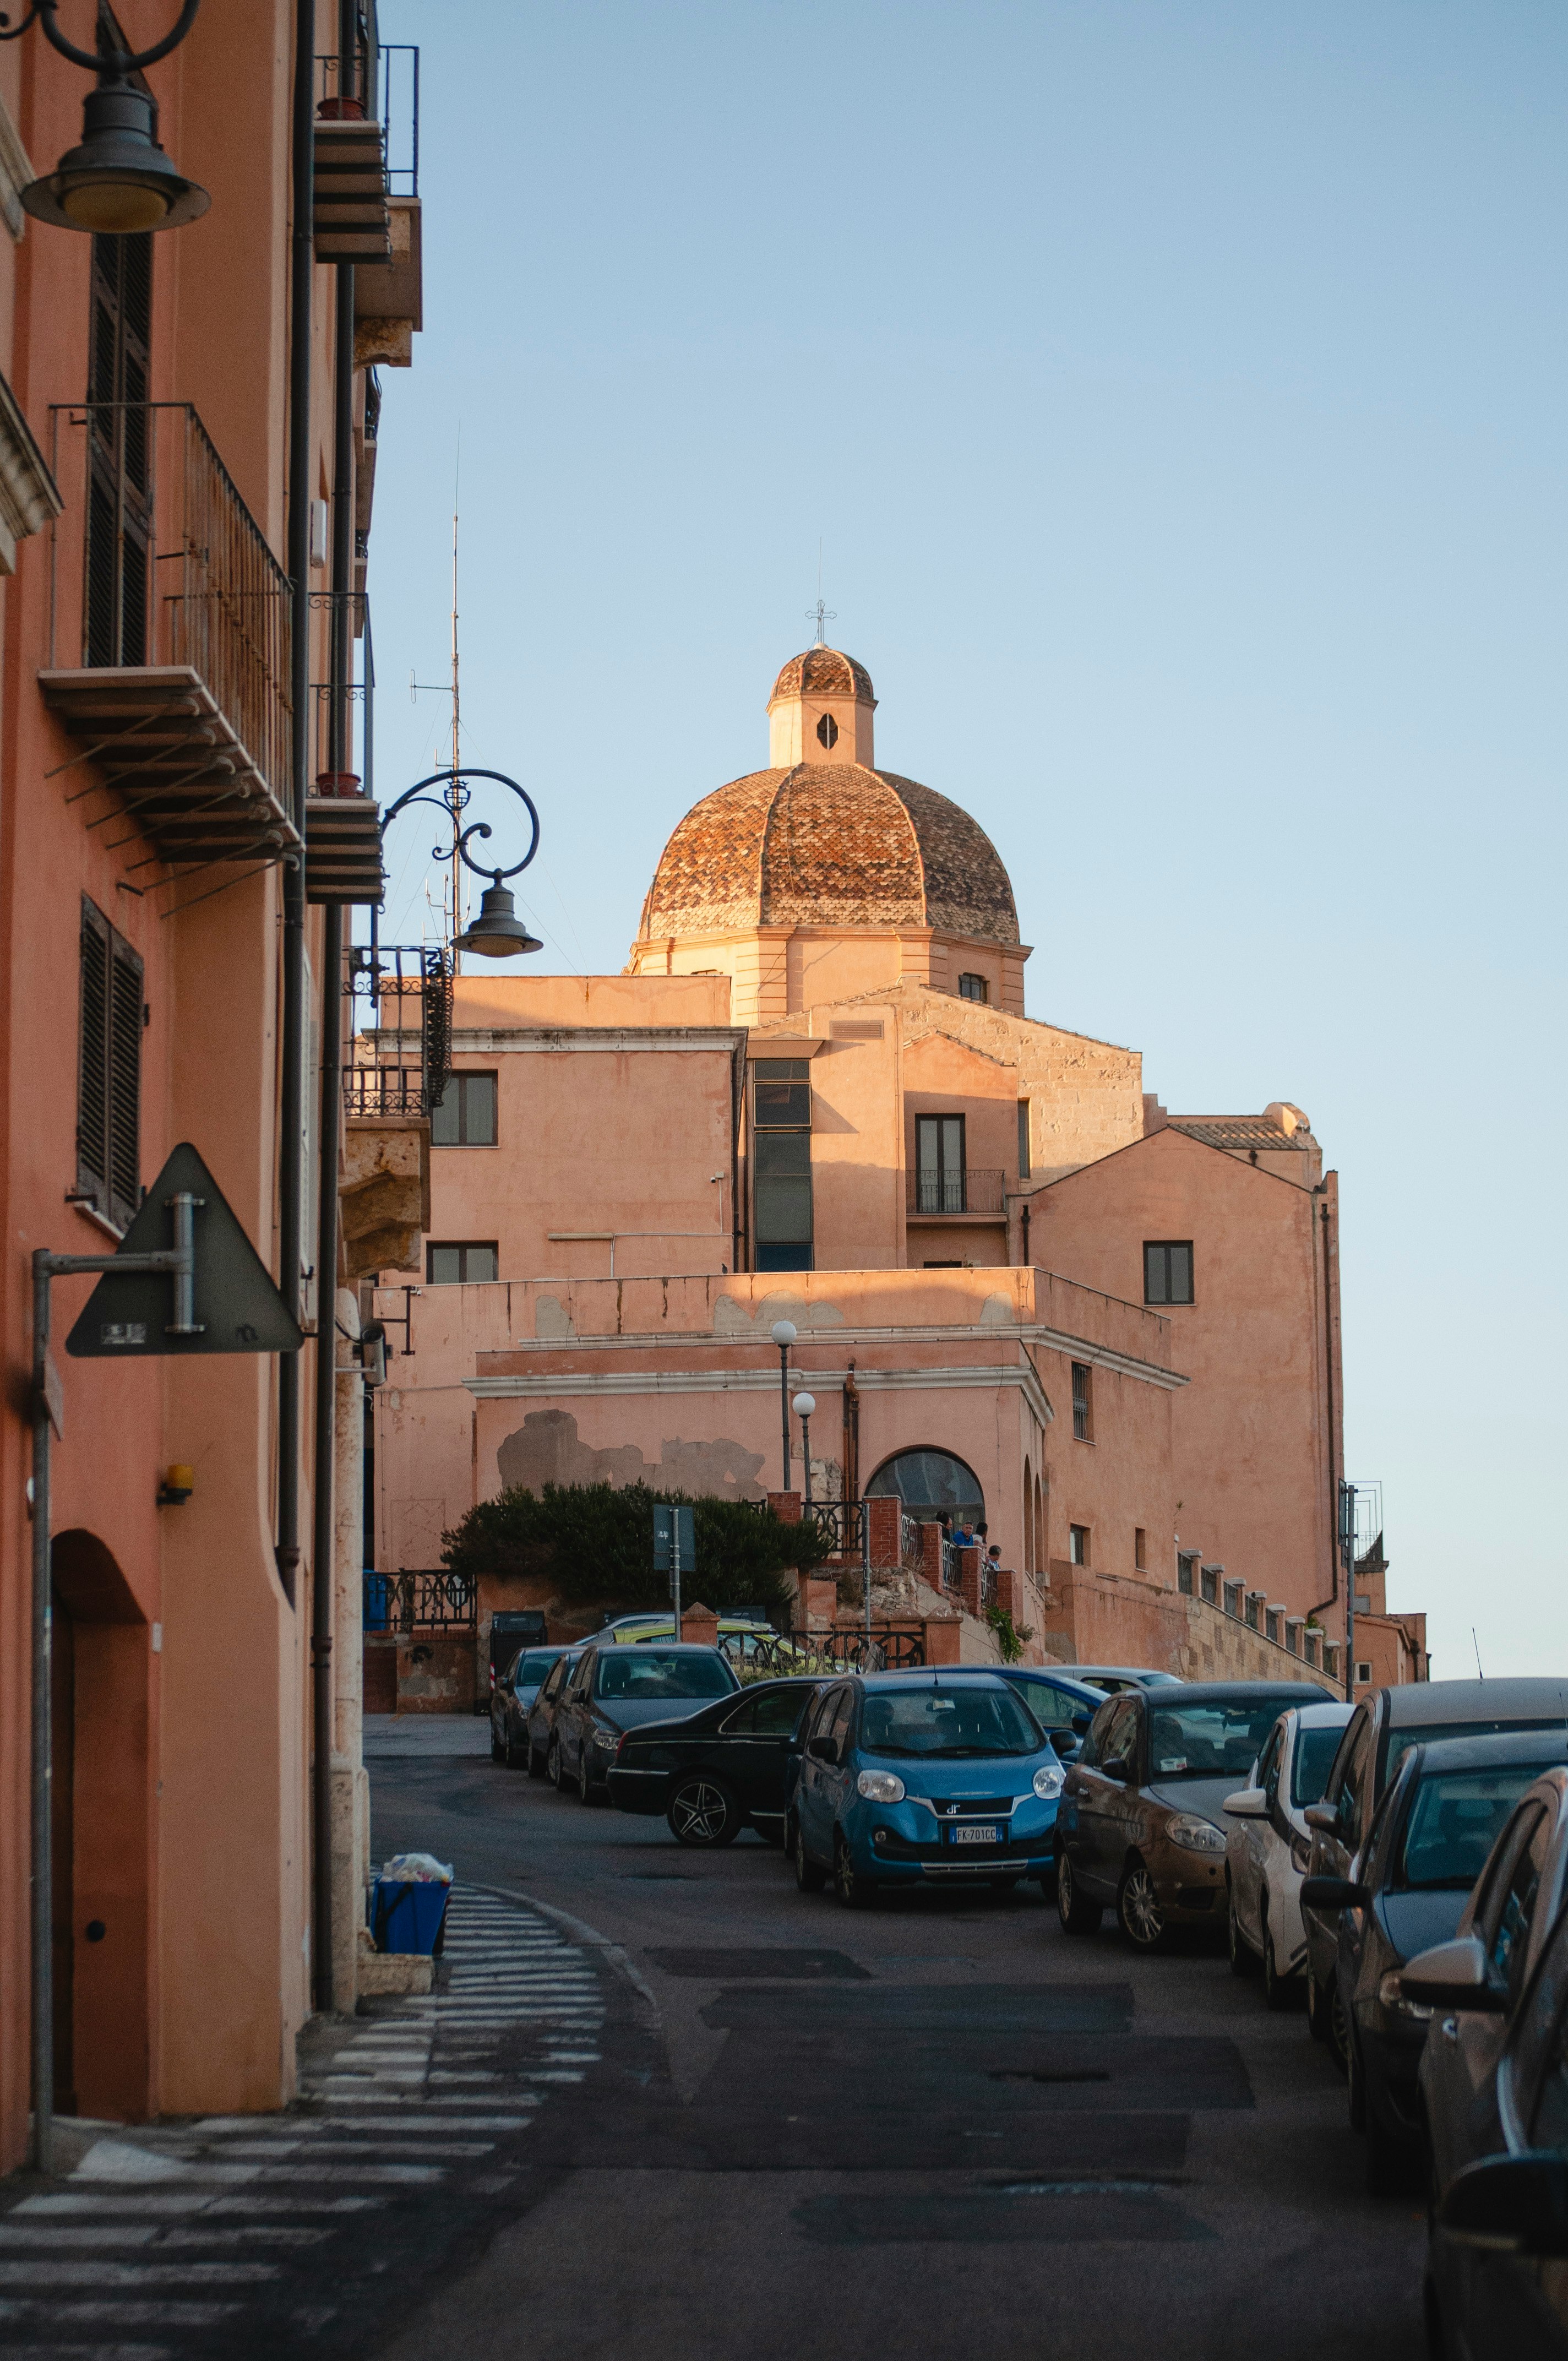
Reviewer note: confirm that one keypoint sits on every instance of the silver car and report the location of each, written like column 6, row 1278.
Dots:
column 1268, row 1844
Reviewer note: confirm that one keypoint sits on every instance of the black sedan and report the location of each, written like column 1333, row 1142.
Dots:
column 614, row 1688
column 731, row 1766
column 1428, row 1845
column 1140, row 1826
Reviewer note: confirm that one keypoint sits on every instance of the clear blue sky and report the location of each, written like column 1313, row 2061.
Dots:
column 1177, row 393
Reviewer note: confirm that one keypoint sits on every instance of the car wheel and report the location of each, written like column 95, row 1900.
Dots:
column 1079, row 1916
column 1317, row 2004
column 1237, row 1950
column 1339, row 2029
column 1137, row 1909
column 703, row 1813
column 586, row 1791
column 809, row 1875
column 555, row 1769
column 535, row 1761
column 855, row 1890
column 1278, row 1992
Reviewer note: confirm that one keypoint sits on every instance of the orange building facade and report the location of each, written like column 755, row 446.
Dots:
column 147, row 827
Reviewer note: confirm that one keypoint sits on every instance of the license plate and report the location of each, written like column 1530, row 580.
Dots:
column 978, row 1833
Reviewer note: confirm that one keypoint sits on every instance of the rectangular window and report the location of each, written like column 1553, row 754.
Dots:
column 465, row 1114
column 782, row 1094
column 1078, row 1544
column 119, row 452
column 973, row 987
column 108, row 1092
column 1168, row 1270
column 1025, row 1167
column 939, row 1164
column 458, row 1260
column 1082, row 1402
column 1362, row 1674
column 1140, row 1557
column 782, row 1211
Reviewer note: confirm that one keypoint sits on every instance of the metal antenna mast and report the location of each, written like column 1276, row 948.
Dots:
column 452, row 899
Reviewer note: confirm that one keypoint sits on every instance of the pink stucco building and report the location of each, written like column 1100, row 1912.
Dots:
column 1022, row 1291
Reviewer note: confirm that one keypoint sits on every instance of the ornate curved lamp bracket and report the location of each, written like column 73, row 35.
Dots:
column 98, row 61
column 454, row 800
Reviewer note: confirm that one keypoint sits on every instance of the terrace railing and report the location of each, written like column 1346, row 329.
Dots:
column 429, row 1601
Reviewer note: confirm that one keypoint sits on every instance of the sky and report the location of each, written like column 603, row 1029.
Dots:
column 1173, row 392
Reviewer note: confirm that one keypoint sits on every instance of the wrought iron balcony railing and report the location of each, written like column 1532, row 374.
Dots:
column 967, row 1191
column 435, row 1601
column 402, row 1056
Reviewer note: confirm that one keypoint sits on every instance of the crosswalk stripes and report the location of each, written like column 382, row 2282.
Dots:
column 163, row 2242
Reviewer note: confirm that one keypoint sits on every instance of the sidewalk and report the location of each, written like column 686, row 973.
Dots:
column 431, row 1734
column 244, row 2235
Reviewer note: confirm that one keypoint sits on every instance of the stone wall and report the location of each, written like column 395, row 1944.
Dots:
column 1089, row 1617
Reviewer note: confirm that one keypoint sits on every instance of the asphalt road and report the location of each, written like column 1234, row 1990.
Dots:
column 936, row 2128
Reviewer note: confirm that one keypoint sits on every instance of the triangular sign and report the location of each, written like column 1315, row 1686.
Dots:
column 239, row 1310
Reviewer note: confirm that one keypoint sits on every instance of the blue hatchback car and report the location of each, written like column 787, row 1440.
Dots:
column 922, row 1779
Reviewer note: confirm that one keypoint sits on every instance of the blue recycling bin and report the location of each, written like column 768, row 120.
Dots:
column 407, row 1917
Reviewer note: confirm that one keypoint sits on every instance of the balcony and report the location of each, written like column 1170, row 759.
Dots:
column 178, row 620
column 934, row 1196
column 403, row 1055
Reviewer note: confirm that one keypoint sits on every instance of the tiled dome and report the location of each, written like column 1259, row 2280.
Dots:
column 830, row 844
column 823, row 672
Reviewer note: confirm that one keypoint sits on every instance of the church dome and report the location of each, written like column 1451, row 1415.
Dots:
column 823, row 672
column 830, row 844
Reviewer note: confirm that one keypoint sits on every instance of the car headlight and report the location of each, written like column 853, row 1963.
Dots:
column 1391, row 1996
column 608, row 1737
column 1194, row 1835
column 1049, row 1781
column 880, row 1786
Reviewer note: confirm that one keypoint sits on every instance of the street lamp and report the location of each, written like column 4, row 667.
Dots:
column 498, row 932
column 784, row 1335
column 119, row 180
column 804, row 1406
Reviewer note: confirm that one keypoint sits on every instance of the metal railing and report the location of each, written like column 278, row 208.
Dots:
column 175, row 570
column 402, row 1057
column 843, row 1521
column 388, row 81
column 968, row 1191
column 433, row 1601
column 987, row 1586
column 884, row 1647
column 911, row 1550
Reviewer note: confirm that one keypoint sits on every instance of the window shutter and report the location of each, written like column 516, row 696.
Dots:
column 124, row 1083
column 93, row 1079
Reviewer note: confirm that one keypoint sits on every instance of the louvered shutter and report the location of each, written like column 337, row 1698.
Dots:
column 93, row 1074
column 108, row 1118
column 124, row 1082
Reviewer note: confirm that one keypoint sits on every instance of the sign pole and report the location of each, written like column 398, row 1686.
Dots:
column 676, row 1568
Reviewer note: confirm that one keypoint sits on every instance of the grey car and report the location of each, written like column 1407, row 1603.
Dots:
column 1379, row 1734
column 511, row 1698
column 1112, row 1679
column 612, row 1689
column 539, row 1719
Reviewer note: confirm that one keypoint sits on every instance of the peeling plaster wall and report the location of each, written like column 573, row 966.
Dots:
column 547, row 1449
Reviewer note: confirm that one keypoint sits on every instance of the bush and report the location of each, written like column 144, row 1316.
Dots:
column 594, row 1544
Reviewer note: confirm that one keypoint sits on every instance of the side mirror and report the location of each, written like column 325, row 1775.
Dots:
column 1246, row 1803
column 824, row 1749
column 1333, row 1893
column 1517, row 2202
column 1454, row 1975
column 1065, row 1743
column 1117, row 1768
column 1323, row 1817
column 1081, row 1722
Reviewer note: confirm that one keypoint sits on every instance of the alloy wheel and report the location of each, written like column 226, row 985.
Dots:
column 555, row 1769
column 1079, row 1916
column 808, row 1876
column 855, row 1890
column 1137, row 1906
column 1278, row 1991
column 699, row 1813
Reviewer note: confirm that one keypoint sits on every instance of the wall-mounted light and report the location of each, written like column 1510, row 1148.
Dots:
column 179, row 1483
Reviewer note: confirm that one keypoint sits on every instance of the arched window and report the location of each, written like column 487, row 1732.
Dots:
column 828, row 732
column 930, row 1484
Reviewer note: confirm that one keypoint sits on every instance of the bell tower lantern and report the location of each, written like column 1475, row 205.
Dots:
column 820, row 711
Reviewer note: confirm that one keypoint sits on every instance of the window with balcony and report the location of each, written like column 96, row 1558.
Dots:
column 456, row 1262
column 1078, row 1544
column 1168, row 1270
column 939, row 1186
column 781, row 1164
column 465, row 1115
column 1082, row 1402
column 973, row 987
column 119, row 488
column 108, row 1101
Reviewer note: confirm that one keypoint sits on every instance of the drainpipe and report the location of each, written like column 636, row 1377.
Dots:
column 1333, row 1598
column 291, row 1109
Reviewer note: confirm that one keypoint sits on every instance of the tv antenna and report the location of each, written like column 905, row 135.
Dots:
column 452, row 893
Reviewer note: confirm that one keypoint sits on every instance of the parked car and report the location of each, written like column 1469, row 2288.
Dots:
column 539, row 1719
column 613, row 1689
column 1448, row 1804
column 1111, row 1679
column 1139, row 1827
column 1494, row 2078
column 511, row 1699
column 906, row 1782
column 745, row 1639
column 1268, row 1845
column 513, row 1628
column 726, row 1767
column 1378, row 1734
column 1062, row 1704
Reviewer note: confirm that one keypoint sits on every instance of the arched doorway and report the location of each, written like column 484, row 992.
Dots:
column 930, row 1484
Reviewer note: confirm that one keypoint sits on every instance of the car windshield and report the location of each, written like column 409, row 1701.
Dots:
column 531, row 1669
column 948, row 1721
column 1315, row 1751
column 1399, row 1743
column 1454, row 1820
column 1221, row 1737
column 650, row 1674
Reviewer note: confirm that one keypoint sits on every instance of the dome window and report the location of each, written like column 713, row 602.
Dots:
column 973, row 987
column 828, row 732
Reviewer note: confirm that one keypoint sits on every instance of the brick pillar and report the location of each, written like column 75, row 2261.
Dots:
column 786, row 1507
column 931, row 1555
column 969, row 1579
column 1010, row 1592
column 887, row 1532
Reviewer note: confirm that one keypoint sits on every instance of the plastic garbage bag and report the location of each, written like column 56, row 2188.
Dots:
column 416, row 1868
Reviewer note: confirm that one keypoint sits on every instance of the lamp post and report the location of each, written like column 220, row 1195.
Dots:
column 803, row 1405
column 119, row 181
column 784, row 1334
column 498, row 932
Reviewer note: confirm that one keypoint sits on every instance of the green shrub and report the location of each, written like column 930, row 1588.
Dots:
column 594, row 1544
